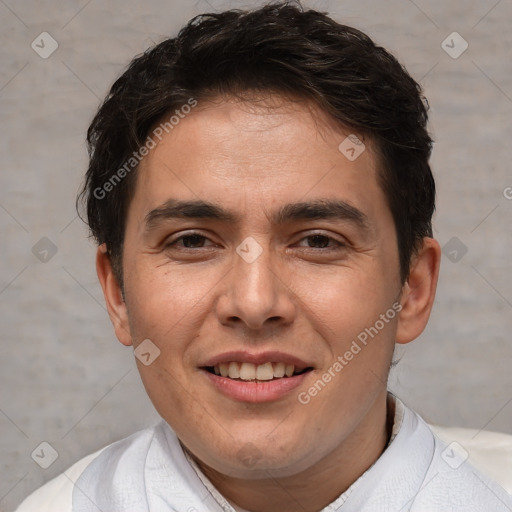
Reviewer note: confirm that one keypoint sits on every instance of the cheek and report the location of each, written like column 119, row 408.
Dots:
column 344, row 300
column 163, row 307
column 345, row 309
column 164, row 301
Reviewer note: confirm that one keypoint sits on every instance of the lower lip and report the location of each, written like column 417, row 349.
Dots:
column 256, row 392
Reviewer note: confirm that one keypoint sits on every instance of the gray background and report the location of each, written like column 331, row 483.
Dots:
column 64, row 377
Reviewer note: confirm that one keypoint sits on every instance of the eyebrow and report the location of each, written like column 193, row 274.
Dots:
column 311, row 210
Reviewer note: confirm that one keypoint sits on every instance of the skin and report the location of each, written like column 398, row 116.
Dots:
column 298, row 297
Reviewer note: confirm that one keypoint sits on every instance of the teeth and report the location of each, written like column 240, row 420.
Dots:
column 224, row 369
column 279, row 370
column 234, row 370
column 249, row 371
column 265, row 372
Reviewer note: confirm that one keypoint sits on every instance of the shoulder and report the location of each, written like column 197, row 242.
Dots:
column 453, row 481
column 490, row 452
column 56, row 495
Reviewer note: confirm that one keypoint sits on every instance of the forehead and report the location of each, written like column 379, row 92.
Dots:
column 257, row 130
column 258, row 153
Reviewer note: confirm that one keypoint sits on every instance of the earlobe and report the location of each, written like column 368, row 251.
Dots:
column 419, row 291
column 116, row 306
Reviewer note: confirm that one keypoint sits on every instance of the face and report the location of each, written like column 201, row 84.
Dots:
column 252, row 238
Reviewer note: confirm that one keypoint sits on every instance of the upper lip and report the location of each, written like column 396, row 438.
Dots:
column 242, row 356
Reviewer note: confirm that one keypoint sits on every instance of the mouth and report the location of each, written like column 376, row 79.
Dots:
column 250, row 372
column 256, row 377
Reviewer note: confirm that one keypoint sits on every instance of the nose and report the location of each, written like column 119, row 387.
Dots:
column 255, row 294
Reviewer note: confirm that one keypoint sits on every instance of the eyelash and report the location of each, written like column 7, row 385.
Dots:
column 339, row 245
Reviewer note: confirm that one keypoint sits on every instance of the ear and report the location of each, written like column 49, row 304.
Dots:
column 419, row 291
column 116, row 306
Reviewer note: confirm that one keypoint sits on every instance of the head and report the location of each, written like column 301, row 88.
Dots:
column 260, row 185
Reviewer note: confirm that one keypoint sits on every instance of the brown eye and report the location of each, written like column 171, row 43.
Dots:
column 191, row 241
column 188, row 241
column 318, row 241
column 321, row 241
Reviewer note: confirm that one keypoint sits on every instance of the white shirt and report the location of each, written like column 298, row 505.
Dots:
column 150, row 472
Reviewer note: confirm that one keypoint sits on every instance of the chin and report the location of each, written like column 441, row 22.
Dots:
column 255, row 460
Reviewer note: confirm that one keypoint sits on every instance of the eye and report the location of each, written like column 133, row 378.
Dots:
column 188, row 241
column 315, row 241
column 322, row 241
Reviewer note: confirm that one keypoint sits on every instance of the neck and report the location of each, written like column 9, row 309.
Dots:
column 313, row 489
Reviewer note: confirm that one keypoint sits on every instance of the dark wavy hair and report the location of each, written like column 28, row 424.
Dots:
column 281, row 48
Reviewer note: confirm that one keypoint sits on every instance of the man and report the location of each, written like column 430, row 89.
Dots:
column 260, row 192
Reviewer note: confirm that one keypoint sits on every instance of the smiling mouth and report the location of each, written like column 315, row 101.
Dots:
column 249, row 372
